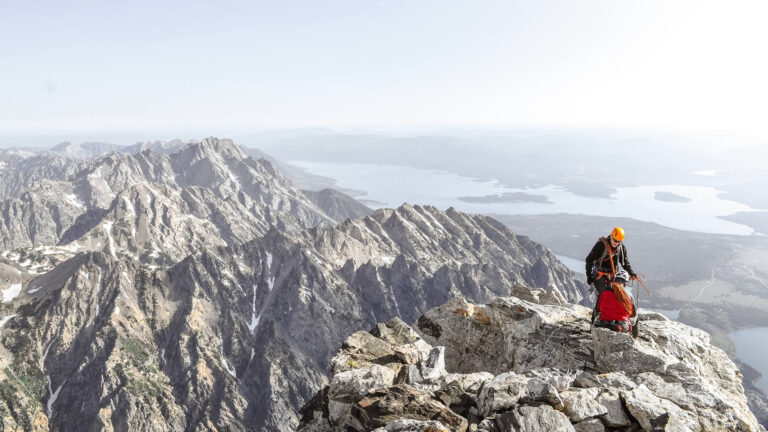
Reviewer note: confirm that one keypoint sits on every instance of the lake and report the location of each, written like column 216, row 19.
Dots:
column 391, row 185
column 752, row 350
column 577, row 266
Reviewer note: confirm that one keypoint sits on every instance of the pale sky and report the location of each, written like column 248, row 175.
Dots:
column 100, row 66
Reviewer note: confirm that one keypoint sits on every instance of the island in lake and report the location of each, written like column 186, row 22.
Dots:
column 507, row 197
column 670, row 197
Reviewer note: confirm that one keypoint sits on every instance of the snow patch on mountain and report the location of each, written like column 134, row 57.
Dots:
column 12, row 292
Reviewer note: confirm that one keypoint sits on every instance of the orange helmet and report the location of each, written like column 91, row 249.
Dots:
column 618, row 234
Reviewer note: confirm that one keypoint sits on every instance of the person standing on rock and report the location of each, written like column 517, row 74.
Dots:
column 603, row 262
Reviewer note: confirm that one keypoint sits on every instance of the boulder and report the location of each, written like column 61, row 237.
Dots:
column 561, row 380
column 617, row 380
column 615, row 351
column 470, row 383
column 581, row 404
column 352, row 385
column 407, row 425
column 539, row 390
column 362, row 349
column 395, row 332
column 434, row 367
column 541, row 418
column 655, row 413
column 455, row 398
column 502, row 393
column 589, row 425
column 407, row 354
column 403, row 401
column 615, row 415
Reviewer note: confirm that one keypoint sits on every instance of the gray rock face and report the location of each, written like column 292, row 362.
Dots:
column 590, row 425
column 670, row 378
column 337, row 205
column 533, row 419
column 582, row 404
column 353, row 384
column 18, row 172
column 41, row 215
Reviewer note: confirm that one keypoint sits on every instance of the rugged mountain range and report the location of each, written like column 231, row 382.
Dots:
column 88, row 150
column 202, row 290
column 533, row 366
column 52, row 199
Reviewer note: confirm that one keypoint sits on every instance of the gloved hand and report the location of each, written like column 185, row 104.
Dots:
column 633, row 277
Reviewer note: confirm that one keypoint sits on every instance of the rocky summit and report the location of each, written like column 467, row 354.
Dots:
column 528, row 365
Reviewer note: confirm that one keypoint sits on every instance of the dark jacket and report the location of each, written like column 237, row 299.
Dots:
column 619, row 257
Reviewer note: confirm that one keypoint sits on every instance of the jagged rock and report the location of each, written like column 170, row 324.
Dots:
column 395, row 332
column 615, row 415
column 511, row 334
column 403, row 401
column 553, row 296
column 470, row 383
column 413, row 426
column 316, row 408
column 407, row 354
column 524, row 293
column 351, row 385
column 560, row 380
column 589, row 425
column 541, row 418
column 616, row 351
column 410, row 374
column 434, row 367
column 454, row 397
column 362, row 349
column 539, row 390
column 586, row 379
column 655, row 413
column 617, row 380
column 41, row 215
column 488, row 425
column 502, row 393
column 580, row 404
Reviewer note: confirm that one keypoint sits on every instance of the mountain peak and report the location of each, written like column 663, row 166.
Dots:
column 223, row 147
column 529, row 365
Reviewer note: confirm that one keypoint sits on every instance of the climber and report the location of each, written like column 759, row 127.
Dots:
column 602, row 262
column 615, row 306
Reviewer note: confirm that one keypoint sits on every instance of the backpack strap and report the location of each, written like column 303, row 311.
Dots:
column 610, row 255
